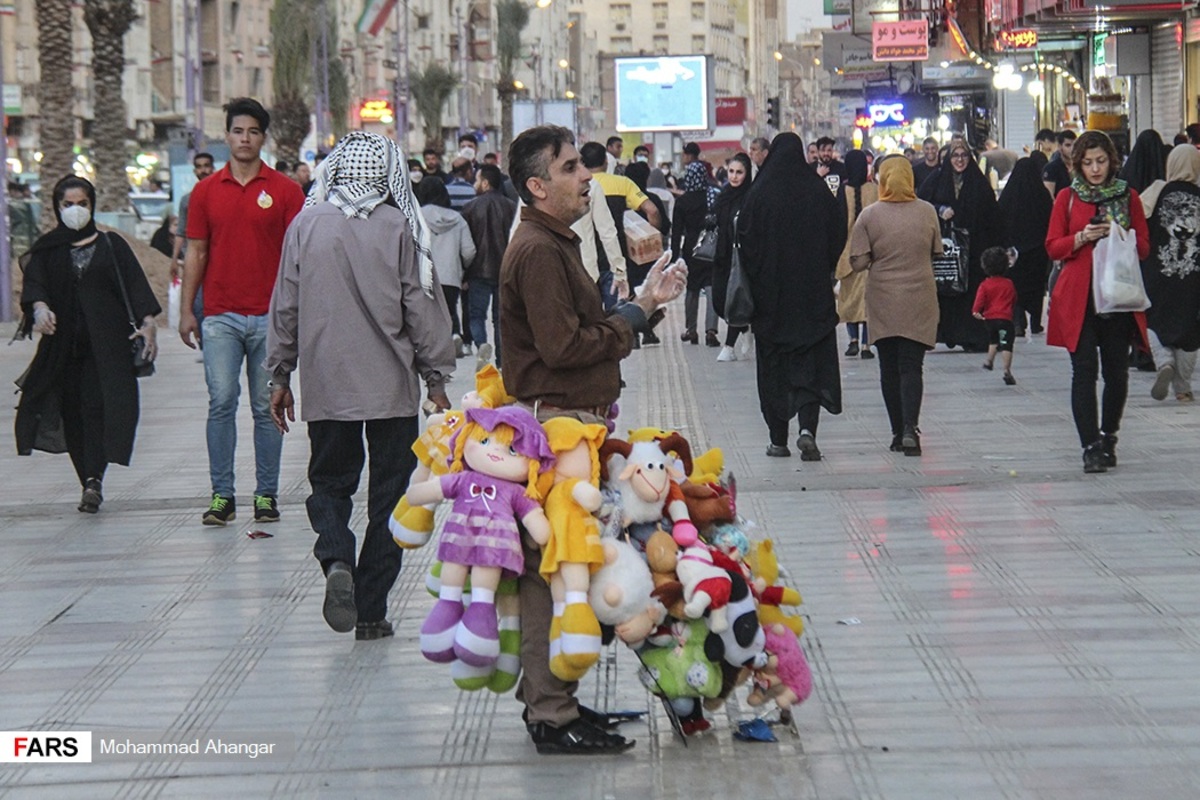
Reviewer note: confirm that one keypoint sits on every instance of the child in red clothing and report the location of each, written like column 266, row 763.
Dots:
column 994, row 305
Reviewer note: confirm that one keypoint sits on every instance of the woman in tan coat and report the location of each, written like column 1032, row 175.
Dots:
column 895, row 240
column 852, row 305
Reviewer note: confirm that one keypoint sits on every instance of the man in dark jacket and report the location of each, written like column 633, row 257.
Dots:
column 490, row 216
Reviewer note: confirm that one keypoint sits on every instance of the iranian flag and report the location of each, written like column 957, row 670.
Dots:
column 374, row 16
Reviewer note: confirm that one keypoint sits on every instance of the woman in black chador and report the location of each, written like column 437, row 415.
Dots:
column 80, row 394
column 791, row 231
column 964, row 199
column 1024, row 218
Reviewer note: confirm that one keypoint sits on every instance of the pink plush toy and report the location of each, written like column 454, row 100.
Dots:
column 786, row 678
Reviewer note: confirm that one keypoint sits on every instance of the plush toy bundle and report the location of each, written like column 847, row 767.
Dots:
column 635, row 535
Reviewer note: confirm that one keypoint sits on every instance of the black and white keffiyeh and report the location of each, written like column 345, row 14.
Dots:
column 364, row 170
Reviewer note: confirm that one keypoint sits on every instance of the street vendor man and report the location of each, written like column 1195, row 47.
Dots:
column 561, row 356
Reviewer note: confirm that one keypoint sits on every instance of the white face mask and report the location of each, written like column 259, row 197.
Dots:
column 642, row 159
column 666, row 170
column 416, row 175
column 75, row 217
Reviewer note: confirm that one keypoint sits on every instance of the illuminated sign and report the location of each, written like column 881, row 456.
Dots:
column 863, row 121
column 376, row 111
column 1023, row 39
column 886, row 113
column 900, row 41
column 956, row 35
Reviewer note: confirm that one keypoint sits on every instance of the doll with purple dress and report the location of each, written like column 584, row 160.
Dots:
column 494, row 463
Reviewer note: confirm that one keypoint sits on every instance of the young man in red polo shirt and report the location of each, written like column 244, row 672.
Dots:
column 236, row 222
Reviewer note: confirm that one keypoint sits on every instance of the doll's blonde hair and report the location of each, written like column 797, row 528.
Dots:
column 504, row 434
column 563, row 434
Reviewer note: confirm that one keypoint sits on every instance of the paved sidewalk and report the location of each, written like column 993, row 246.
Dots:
column 1022, row 630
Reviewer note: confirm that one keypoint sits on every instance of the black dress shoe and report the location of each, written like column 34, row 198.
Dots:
column 369, row 631
column 650, row 338
column 577, row 738
column 92, row 497
column 340, row 612
column 778, row 451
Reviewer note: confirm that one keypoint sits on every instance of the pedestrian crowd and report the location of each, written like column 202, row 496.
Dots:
column 372, row 276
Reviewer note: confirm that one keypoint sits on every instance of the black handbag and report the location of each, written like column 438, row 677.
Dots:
column 142, row 367
column 950, row 268
column 739, row 302
column 706, row 245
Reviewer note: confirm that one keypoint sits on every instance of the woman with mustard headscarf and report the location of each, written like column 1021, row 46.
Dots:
column 895, row 241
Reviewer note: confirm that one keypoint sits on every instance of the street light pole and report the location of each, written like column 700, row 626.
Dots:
column 400, row 86
column 5, row 263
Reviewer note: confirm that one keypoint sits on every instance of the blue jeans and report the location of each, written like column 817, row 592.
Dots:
column 482, row 296
column 230, row 339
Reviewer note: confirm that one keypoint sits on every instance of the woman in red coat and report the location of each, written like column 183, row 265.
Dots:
column 1098, row 344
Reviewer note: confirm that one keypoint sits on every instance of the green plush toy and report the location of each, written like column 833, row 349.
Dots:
column 502, row 677
column 680, row 669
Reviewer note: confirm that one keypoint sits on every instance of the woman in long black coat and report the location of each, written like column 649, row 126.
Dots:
column 1025, row 207
column 80, row 394
column 1172, row 275
column 963, row 198
column 791, row 231
column 689, row 219
column 728, row 204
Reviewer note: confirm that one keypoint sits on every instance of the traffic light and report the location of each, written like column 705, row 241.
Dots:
column 773, row 112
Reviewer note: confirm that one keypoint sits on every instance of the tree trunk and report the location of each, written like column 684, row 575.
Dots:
column 290, row 124
column 56, row 99
column 506, row 119
column 109, row 21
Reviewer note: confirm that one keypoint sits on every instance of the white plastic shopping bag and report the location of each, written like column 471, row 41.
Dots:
column 1117, row 274
column 174, row 291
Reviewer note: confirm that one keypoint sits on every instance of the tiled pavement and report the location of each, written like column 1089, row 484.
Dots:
column 1024, row 630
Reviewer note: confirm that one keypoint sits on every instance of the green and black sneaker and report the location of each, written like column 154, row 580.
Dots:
column 265, row 508
column 220, row 511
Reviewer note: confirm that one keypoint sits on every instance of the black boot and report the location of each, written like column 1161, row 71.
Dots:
column 1093, row 457
column 1110, row 449
column 910, row 442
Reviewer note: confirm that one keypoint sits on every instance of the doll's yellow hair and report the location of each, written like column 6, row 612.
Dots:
column 504, row 434
column 489, row 385
column 564, row 433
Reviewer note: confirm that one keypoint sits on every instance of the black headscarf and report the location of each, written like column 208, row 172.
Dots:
column 431, row 191
column 639, row 173
column 791, row 231
column 1147, row 161
column 62, row 235
column 1025, row 207
column 857, row 171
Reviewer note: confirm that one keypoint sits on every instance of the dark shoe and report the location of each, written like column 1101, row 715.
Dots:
column 1163, row 382
column 807, row 444
column 89, row 502
column 1037, row 330
column 1009, row 380
column 1109, row 449
column 577, row 738
column 897, row 445
column 910, row 442
column 369, row 631
column 988, row 366
column 649, row 337
column 778, row 451
column 689, row 336
column 220, row 511
column 852, row 350
column 867, row 354
column 339, row 610
column 711, row 340
column 1093, row 458
column 266, row 509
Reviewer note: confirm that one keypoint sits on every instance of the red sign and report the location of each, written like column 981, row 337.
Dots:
column 900, row 41
column 731, row 110
column 1023, row 39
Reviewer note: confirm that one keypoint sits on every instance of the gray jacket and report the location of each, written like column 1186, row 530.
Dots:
column 453, row 247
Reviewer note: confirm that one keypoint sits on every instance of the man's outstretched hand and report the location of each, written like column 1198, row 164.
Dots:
column 663, row 284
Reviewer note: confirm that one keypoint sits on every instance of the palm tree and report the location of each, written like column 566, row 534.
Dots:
column 56, row 97
column 511, row 18
column 109, row 21
column 430, row 90
column 296, row 28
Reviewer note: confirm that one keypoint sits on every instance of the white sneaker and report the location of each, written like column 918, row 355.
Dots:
column 458, row 346
column 726, row 354
column 483, row 356
column 745, row 345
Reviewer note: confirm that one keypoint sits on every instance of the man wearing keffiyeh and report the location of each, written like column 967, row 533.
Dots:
column 358, row 310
